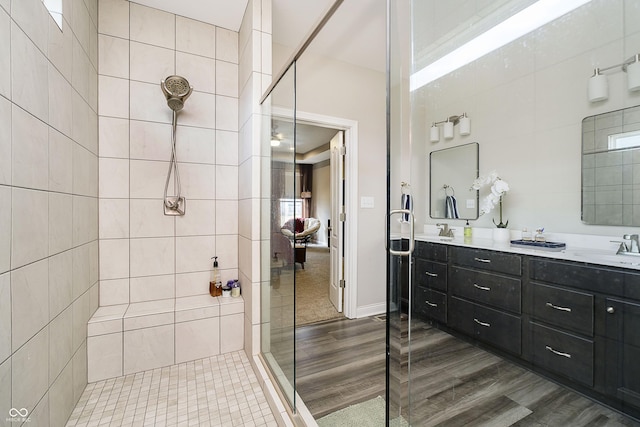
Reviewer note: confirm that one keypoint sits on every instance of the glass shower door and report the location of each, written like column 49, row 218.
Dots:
column 404, row 204
column 281, row 207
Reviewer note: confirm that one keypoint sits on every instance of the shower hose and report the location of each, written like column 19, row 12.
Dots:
column 173, row 166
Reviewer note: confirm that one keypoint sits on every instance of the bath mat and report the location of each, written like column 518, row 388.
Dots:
column 368, row 413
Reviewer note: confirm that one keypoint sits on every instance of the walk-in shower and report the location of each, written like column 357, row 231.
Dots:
column 176, row 89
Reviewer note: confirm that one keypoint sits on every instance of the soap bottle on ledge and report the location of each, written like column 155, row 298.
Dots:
column 215, row 285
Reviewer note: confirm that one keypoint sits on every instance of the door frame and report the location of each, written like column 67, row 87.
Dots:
column 350, row 128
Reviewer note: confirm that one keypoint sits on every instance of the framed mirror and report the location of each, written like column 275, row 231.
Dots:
column 611, row 168
column 452, row 172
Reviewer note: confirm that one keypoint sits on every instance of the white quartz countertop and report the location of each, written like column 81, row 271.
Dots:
column 581, row 249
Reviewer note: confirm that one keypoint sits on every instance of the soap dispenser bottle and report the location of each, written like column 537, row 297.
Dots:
column 467, row 230
column 215, row 285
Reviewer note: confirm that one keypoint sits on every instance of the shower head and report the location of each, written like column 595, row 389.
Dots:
column 176, row 89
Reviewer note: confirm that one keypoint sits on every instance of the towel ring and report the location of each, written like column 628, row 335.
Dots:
column 403, row 187
column 446, row 190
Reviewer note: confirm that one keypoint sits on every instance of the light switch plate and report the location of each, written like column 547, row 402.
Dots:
column 367, row 202
column 471, row 203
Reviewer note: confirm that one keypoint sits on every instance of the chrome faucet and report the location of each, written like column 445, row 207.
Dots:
column 445, row 231
column 632, row 248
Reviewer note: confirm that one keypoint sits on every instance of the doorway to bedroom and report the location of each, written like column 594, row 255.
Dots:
column 319, row 254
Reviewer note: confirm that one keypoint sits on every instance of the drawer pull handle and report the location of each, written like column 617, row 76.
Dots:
column 430, row 304
column 559, row 353
column 487, row 261
column 431, row 274
column 557, row 307
column 486, row 325
column 482, row 288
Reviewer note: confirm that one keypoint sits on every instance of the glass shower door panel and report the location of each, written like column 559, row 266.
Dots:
column 281, row 207
column 401, row 204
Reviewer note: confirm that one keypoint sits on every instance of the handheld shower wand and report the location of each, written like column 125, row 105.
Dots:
column 176, row 89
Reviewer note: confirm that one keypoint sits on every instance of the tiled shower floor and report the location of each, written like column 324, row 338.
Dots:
column 217, row 391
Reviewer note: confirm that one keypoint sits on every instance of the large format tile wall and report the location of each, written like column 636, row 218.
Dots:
column 254, row 79
column 146, row 256
column 49, row 213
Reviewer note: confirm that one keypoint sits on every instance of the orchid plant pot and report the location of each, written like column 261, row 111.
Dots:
column 501, row 235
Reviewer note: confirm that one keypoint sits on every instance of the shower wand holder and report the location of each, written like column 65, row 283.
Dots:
column 175, row 206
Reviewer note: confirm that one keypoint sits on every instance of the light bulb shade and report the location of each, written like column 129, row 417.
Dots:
column 465, row 125
column 448, row 130
column 598, row 88
column 434, row 134
column 633, row 76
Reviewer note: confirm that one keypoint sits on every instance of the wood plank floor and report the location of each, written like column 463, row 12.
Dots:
column 341, row 362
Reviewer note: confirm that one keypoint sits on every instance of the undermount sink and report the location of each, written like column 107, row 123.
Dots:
column 610, row 258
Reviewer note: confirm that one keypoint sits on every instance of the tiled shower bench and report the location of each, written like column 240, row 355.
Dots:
column 129, row 338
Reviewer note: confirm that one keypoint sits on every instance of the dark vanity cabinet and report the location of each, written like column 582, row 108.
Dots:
column 430, row 278
column 560, row 301
column 574, row 322
column 399, row 271
column 485, row 296
column 622, row 331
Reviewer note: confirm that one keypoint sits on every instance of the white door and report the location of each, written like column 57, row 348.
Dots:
column 336, row 287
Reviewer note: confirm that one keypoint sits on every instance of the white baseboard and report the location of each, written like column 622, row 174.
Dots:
column 371, row 310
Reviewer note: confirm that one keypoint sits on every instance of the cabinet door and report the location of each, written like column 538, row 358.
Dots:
column 400, row 273
column 622, row 328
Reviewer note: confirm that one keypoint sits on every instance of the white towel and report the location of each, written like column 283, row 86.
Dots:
column 451, row 207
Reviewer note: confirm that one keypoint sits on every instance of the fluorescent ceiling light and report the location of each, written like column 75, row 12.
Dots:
column 523, row 22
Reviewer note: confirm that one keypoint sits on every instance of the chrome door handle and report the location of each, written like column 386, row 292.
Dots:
column 482, row 288
column 486, row 261
column 430, row 304
column 412, row 241
column 431, row 274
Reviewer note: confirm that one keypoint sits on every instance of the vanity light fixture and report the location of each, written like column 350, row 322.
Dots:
column 448, row 124
column 598, row 89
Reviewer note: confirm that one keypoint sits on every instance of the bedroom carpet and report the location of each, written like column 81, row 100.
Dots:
column 312, row 288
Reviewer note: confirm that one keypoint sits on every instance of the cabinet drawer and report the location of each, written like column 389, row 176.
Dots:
column 431, row 274
column 499, row 262
column 578, row 276
column 563, row 353
column 486, row 324
column 501, row 292
column 431, row 304
column 565, row 308
column 430, row 251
